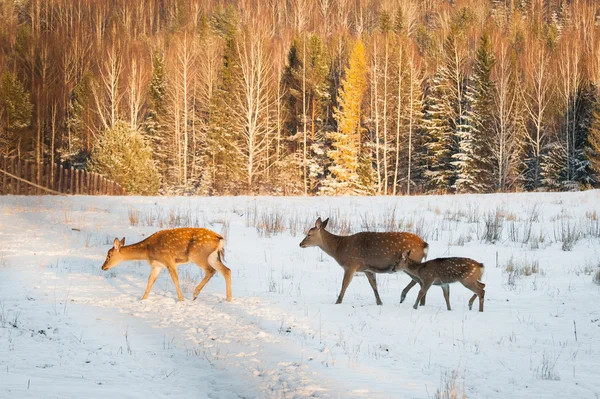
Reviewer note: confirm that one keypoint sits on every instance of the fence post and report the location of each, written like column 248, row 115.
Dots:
column 5, row 168
column 18, row 182
column 49, row 176
column 60, row 178
column 96, row 181
column 65, row 181
column 36, row 177
column 89, row 183
column 72, row 181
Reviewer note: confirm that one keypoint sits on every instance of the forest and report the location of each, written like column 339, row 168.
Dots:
column 306, row 97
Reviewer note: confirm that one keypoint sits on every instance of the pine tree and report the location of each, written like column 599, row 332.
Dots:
column 123, row 155
column 221, row 173
column 80, row 123
column 473, row 160
column 438, row 137
column 583, row 122
column 553, row 166
column 345, row 155
column 592, row 150
column 156, row 113
column 308, row 91
column 15, row 112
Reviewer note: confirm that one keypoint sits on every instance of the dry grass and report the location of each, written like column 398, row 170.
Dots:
column 516, row 269
column 134, row 217
column 450, row 387
column 596, row 278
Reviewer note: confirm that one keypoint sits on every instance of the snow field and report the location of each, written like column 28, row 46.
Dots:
column 67, row 329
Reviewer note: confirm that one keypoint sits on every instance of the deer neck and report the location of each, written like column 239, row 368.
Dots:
column 330, row 243
column 137, row 251
column 413, row 267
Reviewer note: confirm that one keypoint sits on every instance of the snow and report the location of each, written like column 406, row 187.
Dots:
column 68, row 329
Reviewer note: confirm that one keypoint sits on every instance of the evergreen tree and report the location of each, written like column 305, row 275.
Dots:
column 345, row 155
column 592, row 150
column 473, row 163
column 307, row 80
column 221, row 173
column 123, row 155
column 155, row 115
column 438, row 135
column 570, row 145
column 553, row 166
column 80, row 123
column 15, row 112
column 584, row 116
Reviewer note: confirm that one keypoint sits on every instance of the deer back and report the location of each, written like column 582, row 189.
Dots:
column 378, row 250
column 179, row 244
column 450, row 270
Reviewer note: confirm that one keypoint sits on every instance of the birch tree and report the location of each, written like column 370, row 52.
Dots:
column 252, row 104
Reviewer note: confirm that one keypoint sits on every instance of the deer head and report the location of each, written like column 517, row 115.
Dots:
column 313, row 237
column 114, row 256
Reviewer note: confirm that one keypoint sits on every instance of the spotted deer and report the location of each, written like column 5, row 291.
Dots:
column 171, row 248
column 442, row 272
column 366, row 252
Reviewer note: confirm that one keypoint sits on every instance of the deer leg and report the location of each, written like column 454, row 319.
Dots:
column 422, row 293
column 406, row 289
column 348, row 274
column 481, row 295
column 215, row 261
column 373, row 281
column 208, row 273
column 412, row 283
column 151, row 279
column 175, row 277
column 471, row 301
column 478, row 291
column 446, row 289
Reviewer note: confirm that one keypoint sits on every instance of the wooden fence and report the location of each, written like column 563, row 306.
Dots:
column 19, row 177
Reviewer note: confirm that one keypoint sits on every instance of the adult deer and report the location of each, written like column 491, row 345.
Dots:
column 366, row 252
column 442, row 272
column 171, row 248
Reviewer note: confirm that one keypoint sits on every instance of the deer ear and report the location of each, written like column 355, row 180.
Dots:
column 116, row 244
column 324, row 224
column 123, row 241
column 406, row 255
column 318, row 223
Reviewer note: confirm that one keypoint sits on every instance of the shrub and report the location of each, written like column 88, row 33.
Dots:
column 123, row 155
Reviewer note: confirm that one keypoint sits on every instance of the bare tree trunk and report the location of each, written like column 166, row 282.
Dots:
column 398, row 121
column 385, row 117
column 304, row 152
column 376, row 107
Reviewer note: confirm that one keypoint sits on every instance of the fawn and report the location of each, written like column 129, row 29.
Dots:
column 171, row 248
column 442, row 272
column 365, row 252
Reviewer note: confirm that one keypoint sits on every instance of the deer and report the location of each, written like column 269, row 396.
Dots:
column 442, row 272
column 171, row 248
column 367, row 252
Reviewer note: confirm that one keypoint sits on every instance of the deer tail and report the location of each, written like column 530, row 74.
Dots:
column 425, row 250
column 221, row 249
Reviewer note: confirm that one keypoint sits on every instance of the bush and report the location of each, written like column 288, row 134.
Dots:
column 123, row 155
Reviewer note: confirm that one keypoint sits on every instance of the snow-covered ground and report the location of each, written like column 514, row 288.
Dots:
column 68, row 329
